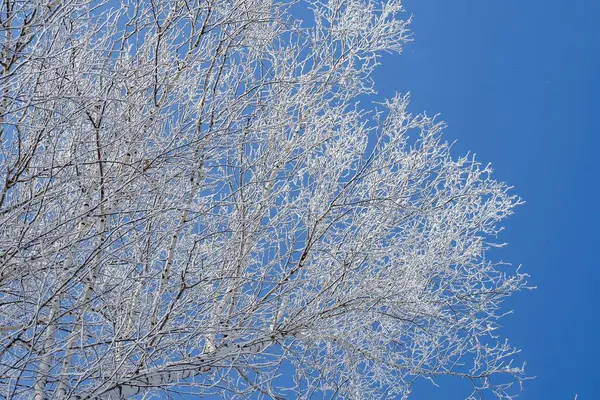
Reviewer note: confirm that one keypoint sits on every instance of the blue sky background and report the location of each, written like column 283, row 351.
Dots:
column 518, row 83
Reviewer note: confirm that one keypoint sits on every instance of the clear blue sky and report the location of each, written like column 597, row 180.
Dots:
column 518, row 83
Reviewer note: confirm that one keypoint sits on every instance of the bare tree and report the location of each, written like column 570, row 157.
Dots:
column 192, row 200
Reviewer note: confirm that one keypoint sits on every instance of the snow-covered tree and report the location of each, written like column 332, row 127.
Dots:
column 193, row 200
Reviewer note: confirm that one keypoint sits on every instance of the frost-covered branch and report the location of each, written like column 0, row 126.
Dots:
column 195, row 194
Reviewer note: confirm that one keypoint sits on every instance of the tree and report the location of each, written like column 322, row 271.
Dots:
column 193, row 199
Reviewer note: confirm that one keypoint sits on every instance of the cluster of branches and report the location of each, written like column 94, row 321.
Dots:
column 193, row 201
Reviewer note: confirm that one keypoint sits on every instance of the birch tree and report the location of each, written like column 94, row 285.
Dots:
column 195, row 197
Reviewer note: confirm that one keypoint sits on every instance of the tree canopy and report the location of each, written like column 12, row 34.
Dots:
column 194, row 198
